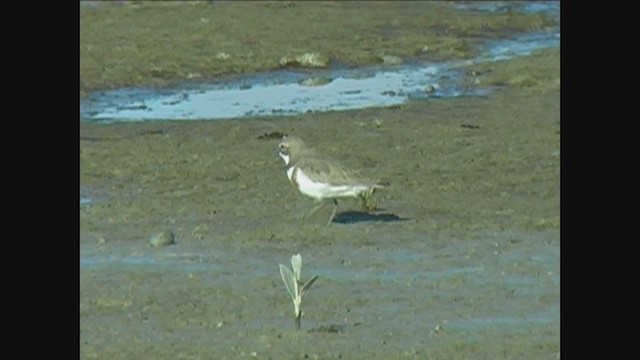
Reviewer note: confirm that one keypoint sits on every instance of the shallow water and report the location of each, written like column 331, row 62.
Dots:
column 285, row 92
column 551, row 8
column 424, row 281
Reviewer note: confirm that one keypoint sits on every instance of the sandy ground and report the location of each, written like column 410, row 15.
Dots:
column 461, row 259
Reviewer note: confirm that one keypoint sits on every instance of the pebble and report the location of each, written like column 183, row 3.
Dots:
column 391, row 60
column 162, row 239
column 316, row 81
column 223, row 56
column 306, row 60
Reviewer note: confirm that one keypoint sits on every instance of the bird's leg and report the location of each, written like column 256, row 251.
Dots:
column 313, row 211
column 333, row 213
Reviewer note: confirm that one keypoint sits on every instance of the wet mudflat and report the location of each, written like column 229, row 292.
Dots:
column 461, row 260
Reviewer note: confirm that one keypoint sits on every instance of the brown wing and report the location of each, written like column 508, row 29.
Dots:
column 331, row 172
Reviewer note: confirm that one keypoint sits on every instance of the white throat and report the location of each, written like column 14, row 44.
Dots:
column 285, row 157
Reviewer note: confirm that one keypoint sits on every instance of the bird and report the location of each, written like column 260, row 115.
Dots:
column 321, row 178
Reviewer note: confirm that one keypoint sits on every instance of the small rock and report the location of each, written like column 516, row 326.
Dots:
column 280, row 4
column 391, row 60
column 332, row 329
column 306, row 60
column 316, row 81
column 162, row 239
column 222, row 56
column 274, row 135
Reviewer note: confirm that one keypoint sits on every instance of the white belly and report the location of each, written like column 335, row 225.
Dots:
column 318, row 190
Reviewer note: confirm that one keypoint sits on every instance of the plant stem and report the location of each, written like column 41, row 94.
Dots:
column 298, row 321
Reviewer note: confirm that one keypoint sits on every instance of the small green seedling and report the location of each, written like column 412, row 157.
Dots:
column 292, row 282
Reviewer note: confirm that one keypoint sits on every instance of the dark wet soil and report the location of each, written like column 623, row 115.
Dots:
column 461, row 259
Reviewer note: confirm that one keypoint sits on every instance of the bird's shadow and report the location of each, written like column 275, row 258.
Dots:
column 351, row 217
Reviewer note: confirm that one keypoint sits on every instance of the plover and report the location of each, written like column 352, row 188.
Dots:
column 322, row 178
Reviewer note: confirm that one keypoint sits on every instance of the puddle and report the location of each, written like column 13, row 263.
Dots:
column 189, row 263
column 475, row 323
column 288, row 92
column 551, row 8
column 89, row 196
column 280, row 93
column 522, row 46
